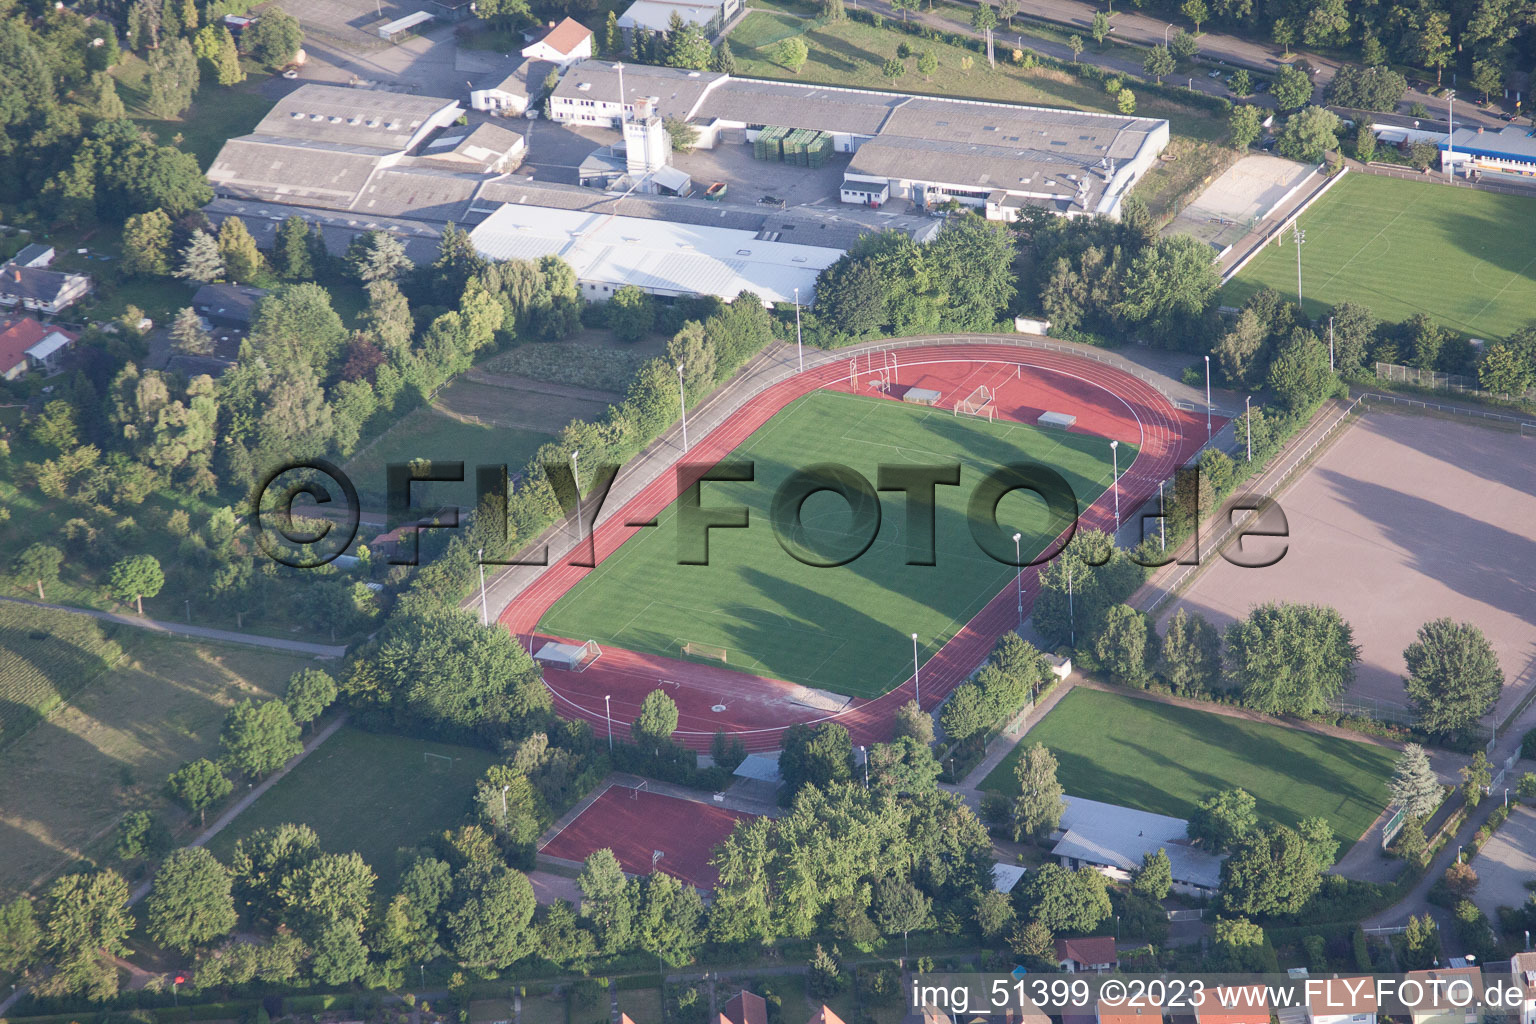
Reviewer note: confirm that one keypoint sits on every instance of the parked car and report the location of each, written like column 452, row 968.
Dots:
column 291, row 73
column 1215, row 73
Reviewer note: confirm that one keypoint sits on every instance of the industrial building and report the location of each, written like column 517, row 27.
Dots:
column 665, row 258
column 1474, row 153
column 994, row 157
column 656, row 15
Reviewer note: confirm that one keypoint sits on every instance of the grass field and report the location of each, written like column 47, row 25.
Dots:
column 1402, row 247
column 842, row 629
column 109, row 750
column 371, row 793
column 45, row 656
column 429, row 433
column 1155, row 757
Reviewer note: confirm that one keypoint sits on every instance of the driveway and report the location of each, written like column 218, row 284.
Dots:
column 1507, row 862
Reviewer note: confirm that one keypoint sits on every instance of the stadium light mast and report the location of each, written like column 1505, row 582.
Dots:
column 917, row 684
column 1450, row 134
column 1300, row 236
column 1330, row 345
column 1248, row 417
column 1071, row 609
column 682, row 403
column 1207, row 398
column 608, row 714
column 485, row 617
column 1162, row 523
column 1018, row 576
column 1114, row 453
column 799, row 349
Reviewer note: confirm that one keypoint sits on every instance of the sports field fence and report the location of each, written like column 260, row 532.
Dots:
column 1274, row 233
column 1527, row 428
column 1396, row 373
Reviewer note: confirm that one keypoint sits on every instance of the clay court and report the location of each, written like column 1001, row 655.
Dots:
column 634, row 824
column 1243, row 195
column 1106, row 401
column 1406, row 518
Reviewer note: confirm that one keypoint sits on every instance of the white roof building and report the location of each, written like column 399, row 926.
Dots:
column 1114, row 839
column 662, row 257
column 656, row 15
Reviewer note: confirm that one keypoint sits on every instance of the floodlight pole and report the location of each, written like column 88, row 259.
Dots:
column 1450, row 135
column 485, row 615
column 917, row 684
column 1207, row 398
column 608, row 714
column 504, row 804
column 1301, row 236
column 1018, row 576
column 1114, row 453
column 683, row 405
column 1071, row 609
column 799, row 349
column 1330, row 344
column 1162, row 523
column 1248, row 418
column 576, row 478
column 1165, row 34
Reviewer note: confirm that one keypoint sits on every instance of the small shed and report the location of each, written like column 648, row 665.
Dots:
column 393, row 30
column 922, row 396
column 1056, row 419
column 1006, row 876
column 570, row 657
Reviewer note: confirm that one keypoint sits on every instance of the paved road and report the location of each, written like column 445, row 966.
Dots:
column 229, row 636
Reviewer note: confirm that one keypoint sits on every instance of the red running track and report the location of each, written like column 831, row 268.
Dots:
column 1107, row 402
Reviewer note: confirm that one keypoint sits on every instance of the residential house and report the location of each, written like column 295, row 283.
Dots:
column 35, row 255
column 1523, row 967
column 1237, row 1004
column 510, row 96
column 1114, row 839
column 1341, row 1001
column 1120, row 1012
column 227, row 305
column 16, row 337
column 561, row 44
column 744, row 1008
column 1093, row 954
column 41, row 290
column 825, row 1016
column 1450, row 995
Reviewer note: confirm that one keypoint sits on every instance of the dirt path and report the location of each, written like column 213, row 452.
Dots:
column 512, row 382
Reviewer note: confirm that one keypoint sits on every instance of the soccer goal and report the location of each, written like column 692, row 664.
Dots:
column 642, row 786
column 713, row 652
column 978, row 403
column 436, row 763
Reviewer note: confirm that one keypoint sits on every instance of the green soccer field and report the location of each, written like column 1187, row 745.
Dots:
column 845, row 629
column 1139, row 753
column 1402, row 247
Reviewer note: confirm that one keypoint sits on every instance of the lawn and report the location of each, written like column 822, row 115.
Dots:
column 1402, row 247
column 371, row 793
column 642, row 1004
column 45, row 656
column 217, row 113
column 430, row 433
column 843, row 629
column 1139, row 753
column 110, row 748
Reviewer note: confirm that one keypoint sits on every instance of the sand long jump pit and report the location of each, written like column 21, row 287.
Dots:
column 1404, row 519
column 1243, row 195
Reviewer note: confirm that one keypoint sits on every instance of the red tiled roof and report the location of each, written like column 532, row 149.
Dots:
column 16, row 336
column 1247, row 1005
column 1094, row 949
column 746, row 1007
column 825, row 1016
column 565, row 36
column 1124, row 1013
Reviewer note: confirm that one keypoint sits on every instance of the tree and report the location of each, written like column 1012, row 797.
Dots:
column 1159, row 63
column 1414, row 785
column 1122, row 646
column 1100, row 27
column 1292, row 88
column 220, row 57
column 1421, row 944
column 1038, row 808
column 927, row 64
column 310, row 691
column 605, row 900
column 668, row 919
column 1033, row 942
column 20, row 937
column 913, row 721
column 657, row 720
column 725, row 60
column 275, row 38
column 200, row 259
column 39, row 564
column 259, row 738
column 1195, row 11
column 893, row 68
column 1475, row 778
column 1454, row 676
column 1075, row 44
column 171, row 80
column 1271, row 871
column 1191, row 653
column 87, row 915
column 1154, row 879
column 1503, row 372
column 1299, row 372
column 631, row 313
column 295, row 327
column 1184, row 46
column 339, row 954
column 1321, row 843
column 136, row 577
column 1411, row 844
column 140, row 834
column 994, row 911
column 147, row 243
column 190, row 902
column 377, row 256
column 1245, row 125
column 1433, row 44
column 1223, row 820
column 187, row 333
column 1125, row 101
column 904, row 6
column 1291, row 658
column 292, row 254
column 1007, row 10
column 901, row 906
column 791, row 53
column 825, row 978
column 1240, row 83
column 197, row 785
column 816, row 757
column 682, row 135
column 1309, row 133
column 1066, row 901
column 984, row 18
column 688, row 48
column 1171, row 284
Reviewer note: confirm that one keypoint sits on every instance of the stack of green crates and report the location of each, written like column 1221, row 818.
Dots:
column 769, row 143
column 817, row 150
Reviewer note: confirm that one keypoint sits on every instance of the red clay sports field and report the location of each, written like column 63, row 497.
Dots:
column 1108, row 402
